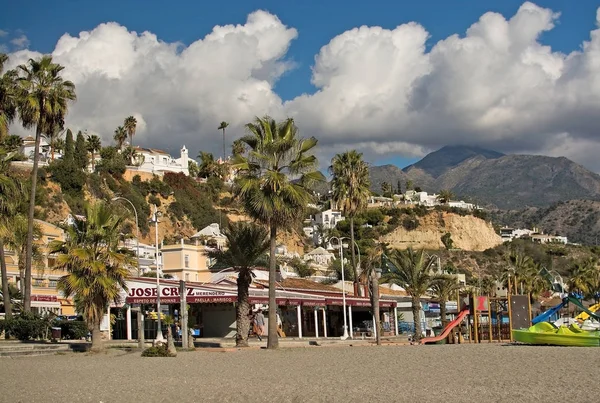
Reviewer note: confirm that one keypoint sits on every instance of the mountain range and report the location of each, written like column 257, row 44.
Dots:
column 493, row 179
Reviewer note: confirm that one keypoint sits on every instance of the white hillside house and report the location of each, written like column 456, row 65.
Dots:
column 158, row 162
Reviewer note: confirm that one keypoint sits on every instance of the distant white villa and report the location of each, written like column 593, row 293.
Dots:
column 158, row 162
column 319, row 256
column 28, row 147
column 212, row 232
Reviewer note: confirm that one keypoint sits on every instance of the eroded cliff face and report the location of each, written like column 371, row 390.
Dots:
column 468, row 233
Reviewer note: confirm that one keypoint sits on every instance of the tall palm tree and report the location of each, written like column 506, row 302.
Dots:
column 8, row 97
column 11, row 191
column 350, row 186
column 445, row 196
column 585, row 278
column 130, row 125
column 93, row 145
column 444, row 287
column 97, row 269
column 273, row 182
column 222, row 127
column 43, row 103
column 120, row 136
column 247, row 246
column 411, row 270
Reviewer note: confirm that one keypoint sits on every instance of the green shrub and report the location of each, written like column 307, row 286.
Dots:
column 410, row 224
column 27, row 326
column 73, row 329
column 152, row 199
column 157, row 351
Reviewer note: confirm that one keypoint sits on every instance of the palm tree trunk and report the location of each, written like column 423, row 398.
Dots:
column 416, row 308
column 170, row 343
column 354, row 268
column 243, row 308
column 29, row 250
column 443, row 312
column 97, row 344
column 93, row 168
column 5, row 289
column 375, row 281
column 21, row 266
column 273, row 341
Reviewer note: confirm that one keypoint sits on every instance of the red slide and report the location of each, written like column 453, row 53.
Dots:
column 448, row 328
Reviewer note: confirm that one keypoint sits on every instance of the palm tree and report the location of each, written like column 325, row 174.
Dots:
column 93, row 145
column 585, row 278
column 8, row 97
column 12, row 143
column 273, row 182
column 130, row 125
column 445, row 196
column 208, row 166
column 53, row 137
column 120, row 136
column 444, row 287
column 15, row 233
column 238, row 147
column 350, row 186
column 247, row 245
column 11, row 192
column 386, row 188
column 43, row 103
column 223, row 126
column 411, row 270
column 97, row 270
column 521, row 264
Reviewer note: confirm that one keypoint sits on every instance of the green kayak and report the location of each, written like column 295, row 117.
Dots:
column 545, row 333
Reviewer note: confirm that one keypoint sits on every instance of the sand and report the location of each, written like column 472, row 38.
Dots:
column 451, row 373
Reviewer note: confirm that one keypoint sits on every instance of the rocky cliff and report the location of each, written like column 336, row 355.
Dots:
column 468, row 233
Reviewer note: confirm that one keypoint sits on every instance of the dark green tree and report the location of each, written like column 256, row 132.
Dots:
column 81, row 157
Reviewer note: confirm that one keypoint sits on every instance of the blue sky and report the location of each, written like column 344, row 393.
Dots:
column 317, row 23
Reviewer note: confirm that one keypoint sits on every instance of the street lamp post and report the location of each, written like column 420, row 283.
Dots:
column 159, row 336
column 140, row 316
column 345, row 335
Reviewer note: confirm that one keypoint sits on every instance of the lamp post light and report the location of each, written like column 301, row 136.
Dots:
column 159, row 335
column 339, row 240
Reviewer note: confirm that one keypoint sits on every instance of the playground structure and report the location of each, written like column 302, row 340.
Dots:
column 510, row 319
column 487, row 319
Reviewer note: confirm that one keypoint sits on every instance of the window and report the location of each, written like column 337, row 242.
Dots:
column 38, row 282
column 186, row 260
column 52, row 283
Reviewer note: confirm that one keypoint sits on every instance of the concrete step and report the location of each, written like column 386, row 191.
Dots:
column 26, row 349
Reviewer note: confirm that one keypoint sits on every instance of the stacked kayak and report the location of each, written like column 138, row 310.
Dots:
column 546, row 333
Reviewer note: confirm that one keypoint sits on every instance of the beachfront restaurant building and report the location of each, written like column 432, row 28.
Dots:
column 306, row 308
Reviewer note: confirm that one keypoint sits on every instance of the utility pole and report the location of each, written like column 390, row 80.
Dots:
column 159, row 336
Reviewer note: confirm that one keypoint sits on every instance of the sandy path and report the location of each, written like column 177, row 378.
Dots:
column 465, row 373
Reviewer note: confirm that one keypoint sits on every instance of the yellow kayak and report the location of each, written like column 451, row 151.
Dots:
column 584, row 315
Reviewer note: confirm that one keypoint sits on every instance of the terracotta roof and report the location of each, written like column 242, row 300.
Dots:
column 301, row 284
column 389, row 291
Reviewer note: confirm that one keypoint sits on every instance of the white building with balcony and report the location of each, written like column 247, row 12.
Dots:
column 154, row 161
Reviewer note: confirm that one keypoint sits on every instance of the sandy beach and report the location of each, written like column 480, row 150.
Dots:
column 453, row 373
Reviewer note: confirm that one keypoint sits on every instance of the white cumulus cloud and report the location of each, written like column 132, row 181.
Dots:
column 379, row 90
